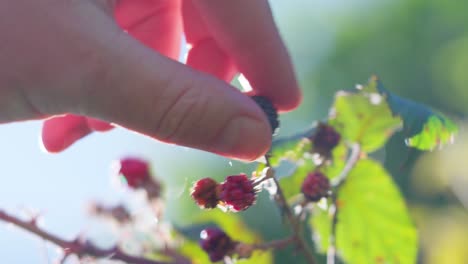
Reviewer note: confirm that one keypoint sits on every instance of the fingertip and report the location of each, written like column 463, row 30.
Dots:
column 284, row 100
column 290, row 101
column 58, row 133
column 244, row 138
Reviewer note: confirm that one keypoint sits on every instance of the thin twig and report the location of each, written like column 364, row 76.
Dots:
column 275, row 244
column 281, row 202
column 352, row 160
column 77, row 247
column 337, row 183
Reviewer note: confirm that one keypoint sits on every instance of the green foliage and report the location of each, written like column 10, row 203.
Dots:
column 424, row 128
column 363, row 117
column 291, row 185
column 373, row 224
column 365, row 217
column 292, row 149
column 337, row 161
column 321, row 223
column 192, row 250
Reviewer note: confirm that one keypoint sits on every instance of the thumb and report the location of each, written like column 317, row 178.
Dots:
column 151, row 94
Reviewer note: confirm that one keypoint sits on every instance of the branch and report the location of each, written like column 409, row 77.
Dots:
column 281, row 202
column 337, row 183
column 77, row 247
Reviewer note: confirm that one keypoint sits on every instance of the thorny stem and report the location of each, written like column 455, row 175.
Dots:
column 337, row 183
column 80, row 248
column 281, row 202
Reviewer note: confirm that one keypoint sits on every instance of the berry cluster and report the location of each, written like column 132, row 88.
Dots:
column 236, row 193
column 315, row 186
column 216, row 243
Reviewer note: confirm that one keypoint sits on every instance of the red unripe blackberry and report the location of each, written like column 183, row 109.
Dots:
column 205, row 193
column 315, row 186
column 216, row 243
column 325, row 138
column 237, row 192
column 135, row 171
column 269, row 110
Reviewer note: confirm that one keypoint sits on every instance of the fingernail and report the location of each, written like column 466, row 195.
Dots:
column 244, row 138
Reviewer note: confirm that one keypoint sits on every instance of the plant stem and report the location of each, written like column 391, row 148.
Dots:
column 275, row 244
column 281, row 202
column 350, row 163
column 337, row 183
column 76, row 246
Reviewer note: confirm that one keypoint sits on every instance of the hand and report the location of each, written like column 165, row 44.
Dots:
column 72, row 56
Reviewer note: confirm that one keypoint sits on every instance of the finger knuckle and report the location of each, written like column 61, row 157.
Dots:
column 181, row 117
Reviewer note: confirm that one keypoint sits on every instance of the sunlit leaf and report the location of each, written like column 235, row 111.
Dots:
column 337, row 162
column 194, row 252
column 321, row 222
column 292, row 149
column 373, row 225
column 292, row 185
column 424, row 128
column 363, row 117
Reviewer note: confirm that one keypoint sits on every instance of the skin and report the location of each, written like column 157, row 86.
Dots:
column 72, row 63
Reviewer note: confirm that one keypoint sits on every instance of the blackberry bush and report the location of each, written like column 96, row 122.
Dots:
column 360, row 195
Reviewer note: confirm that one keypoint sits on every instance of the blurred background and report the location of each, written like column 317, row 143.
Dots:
column 419, row 48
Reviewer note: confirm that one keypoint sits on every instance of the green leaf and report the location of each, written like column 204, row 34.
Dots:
column 321, row 222
column 363, row 117
column 293, row 160
column 337, row 162
column 424, row 128
column 194, row 252
column 292, row 149
column 437, row 131
column 374, row 225
column 291, row 185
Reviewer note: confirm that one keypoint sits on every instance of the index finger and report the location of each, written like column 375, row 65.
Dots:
column 246, row 30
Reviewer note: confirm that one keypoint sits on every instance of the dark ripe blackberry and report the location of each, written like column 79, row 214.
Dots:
column 269, row 109
column 325, row 138
column 216, row 243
